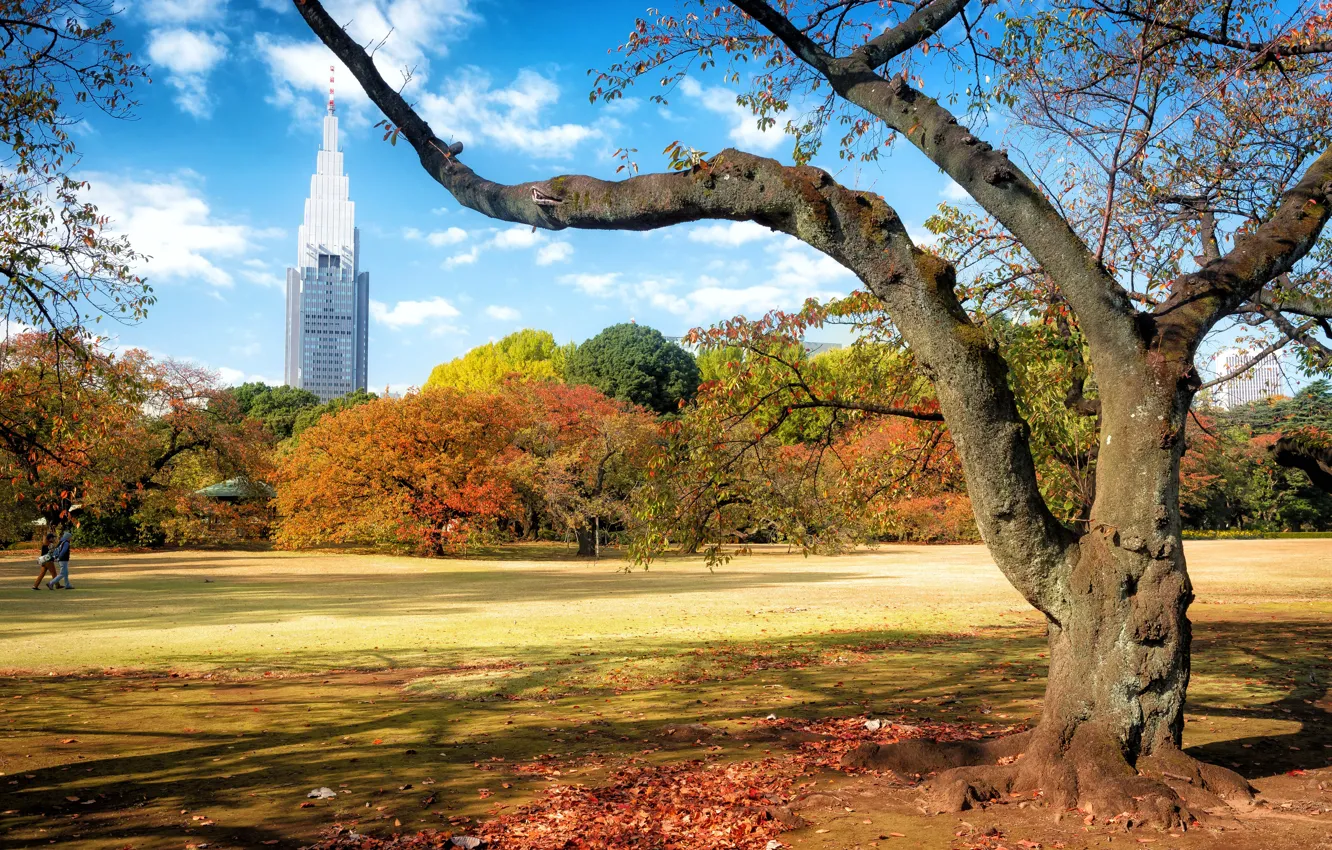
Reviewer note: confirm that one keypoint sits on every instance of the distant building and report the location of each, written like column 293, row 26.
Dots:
column 328, row 296
column 1262, row 381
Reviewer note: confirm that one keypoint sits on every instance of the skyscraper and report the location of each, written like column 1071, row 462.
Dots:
column 1262, row 380
column 328, row 296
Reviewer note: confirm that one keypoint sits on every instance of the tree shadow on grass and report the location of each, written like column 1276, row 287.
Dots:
column 1267, row 655
column 465, row 745
column 271, row 740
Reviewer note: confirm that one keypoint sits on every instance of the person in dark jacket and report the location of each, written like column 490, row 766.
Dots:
column 45, row 561
column 61, row 557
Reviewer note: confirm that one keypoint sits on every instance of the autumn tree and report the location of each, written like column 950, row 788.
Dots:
column 1170, row 170
column 430, row 471
column 128, row 430
column 57, row 418
column 588, row 454
column 528, row 354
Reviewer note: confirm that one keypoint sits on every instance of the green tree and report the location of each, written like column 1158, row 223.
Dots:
column 635, row 363
column 1311, row 406
column 277, row 407
column 528, row 355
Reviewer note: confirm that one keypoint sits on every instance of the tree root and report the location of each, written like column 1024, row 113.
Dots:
column 1087, row 771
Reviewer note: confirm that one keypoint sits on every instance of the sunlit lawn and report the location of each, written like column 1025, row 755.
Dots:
column 196, row 697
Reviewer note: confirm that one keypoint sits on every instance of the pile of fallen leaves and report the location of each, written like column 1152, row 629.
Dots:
column 834, row 737
column 690, row 805
column 694, row 804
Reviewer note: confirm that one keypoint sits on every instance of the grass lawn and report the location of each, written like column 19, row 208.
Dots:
column 194, row 698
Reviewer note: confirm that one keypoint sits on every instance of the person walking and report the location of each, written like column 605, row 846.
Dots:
column 45, row 561
column 61, row 557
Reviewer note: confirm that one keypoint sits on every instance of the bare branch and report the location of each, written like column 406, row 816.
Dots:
column 1199, row 300
column 1248, row 364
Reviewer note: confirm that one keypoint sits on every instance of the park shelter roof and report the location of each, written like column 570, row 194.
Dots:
column 236, row 489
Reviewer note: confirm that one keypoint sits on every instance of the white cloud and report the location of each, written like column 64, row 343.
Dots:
column 437, row 238
column 181, row 11
column 169, row 220
column 265, row 279
column 411, row 314
column 623, row 106
column 596, row 285
column 805, row 267
column 504, row 314
column 730, row 234
column 297, row 68
column 258, row 272
column 416, row 31
column 510, row 118
column 188, row 57
column 954, row 192
column 744, row 124
column 795, row 274
column 919, row 236
column 516, row 237
column 555, row 252
column 463, row 259
column 235, row 377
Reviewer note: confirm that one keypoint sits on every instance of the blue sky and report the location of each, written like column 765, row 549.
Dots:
column 211, row 177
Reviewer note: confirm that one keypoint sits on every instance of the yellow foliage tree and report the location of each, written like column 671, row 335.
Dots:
column 530, row 355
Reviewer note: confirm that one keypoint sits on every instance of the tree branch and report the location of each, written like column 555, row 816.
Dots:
column 1263, row 49
column 1249, row 364
column 1199, row 300
column 1008, row 194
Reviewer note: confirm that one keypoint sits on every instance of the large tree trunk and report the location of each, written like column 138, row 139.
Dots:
column 1108, row 740
column 587, row 541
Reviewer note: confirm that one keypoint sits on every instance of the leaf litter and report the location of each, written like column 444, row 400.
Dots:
column 699, row 804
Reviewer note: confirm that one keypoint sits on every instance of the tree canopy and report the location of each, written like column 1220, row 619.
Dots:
column 528, row 355
column 277, row 407
column 144, row 436
column 636, row 364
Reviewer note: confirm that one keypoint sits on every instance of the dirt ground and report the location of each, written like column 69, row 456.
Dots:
column 196, row 698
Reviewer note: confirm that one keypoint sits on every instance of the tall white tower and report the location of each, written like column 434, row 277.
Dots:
column 328, row 296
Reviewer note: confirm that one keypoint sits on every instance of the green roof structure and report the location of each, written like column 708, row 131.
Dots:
column 236, row 490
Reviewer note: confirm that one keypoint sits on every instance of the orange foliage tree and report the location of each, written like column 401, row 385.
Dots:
column 113, row 434
column 445, row 468
column 433, row 470
column 585, row 454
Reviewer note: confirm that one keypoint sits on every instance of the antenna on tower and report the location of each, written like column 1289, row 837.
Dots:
column 330, row 90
